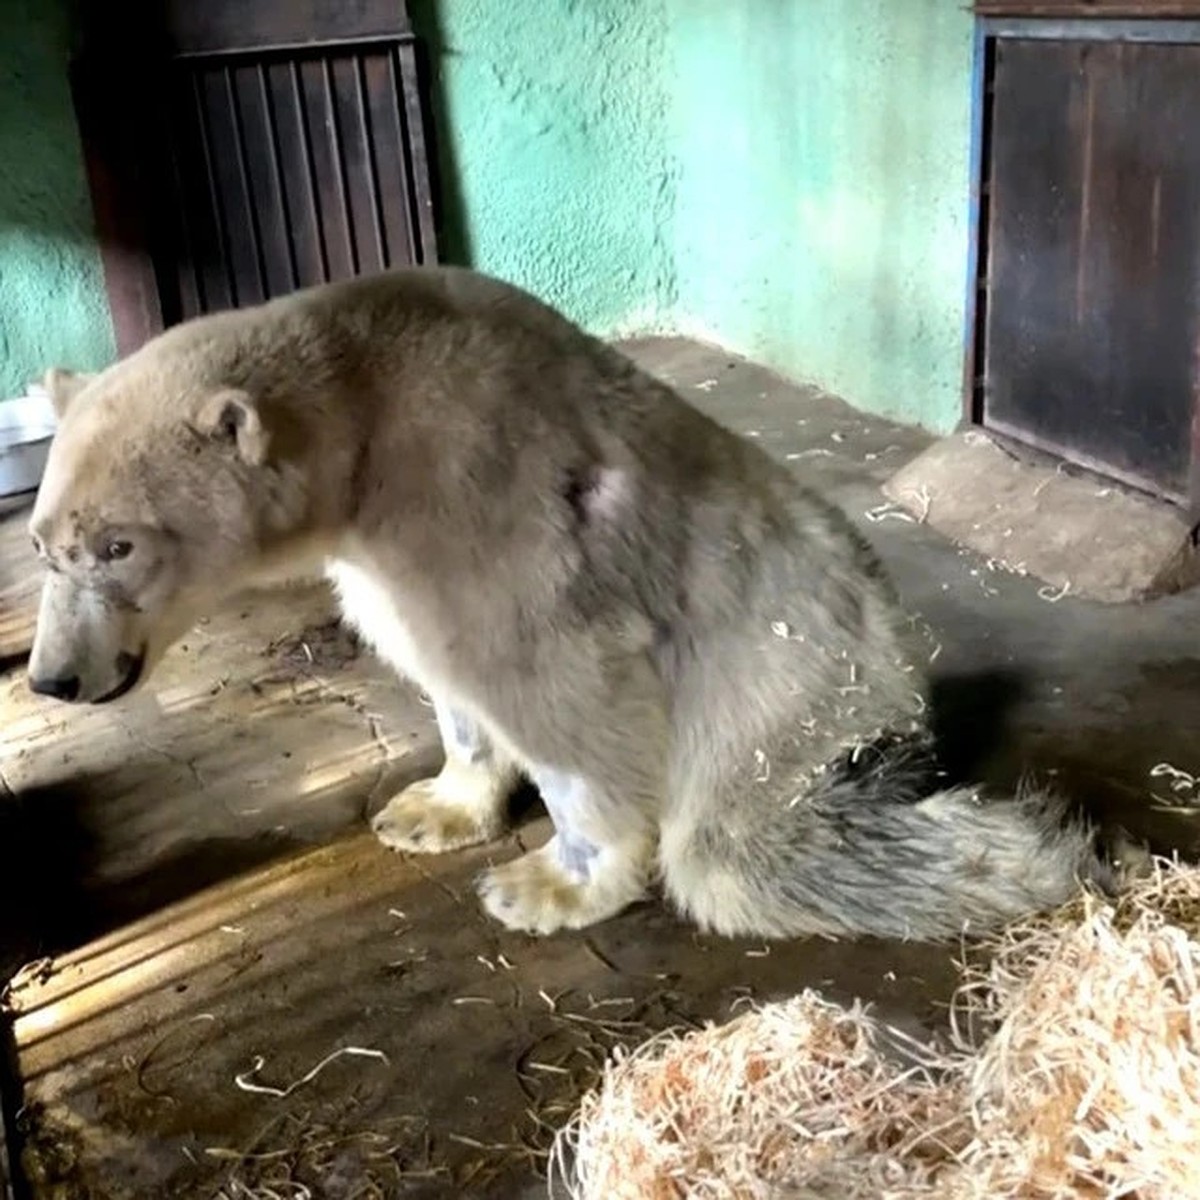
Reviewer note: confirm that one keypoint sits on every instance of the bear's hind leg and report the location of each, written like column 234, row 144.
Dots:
column 605, row 797
column 570, row 882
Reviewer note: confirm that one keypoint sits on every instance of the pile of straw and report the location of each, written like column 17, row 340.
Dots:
column 794, row 1094
column 1073, row 1070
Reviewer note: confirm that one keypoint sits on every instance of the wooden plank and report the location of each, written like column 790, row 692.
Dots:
column 418, row 120
column 356, row 163
column 138, row 27
column 390, row 170
column 228, row 25
column 1088, row 8
column 231, row 185
column 298, row 179
column 270, row 213
column 324, row 161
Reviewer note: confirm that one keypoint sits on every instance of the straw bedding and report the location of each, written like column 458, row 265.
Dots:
column 1072, row 1069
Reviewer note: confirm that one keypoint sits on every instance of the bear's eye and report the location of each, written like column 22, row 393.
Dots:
column 38, row 548
column 116, row 549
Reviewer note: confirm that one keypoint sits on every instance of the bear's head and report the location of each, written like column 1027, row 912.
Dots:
column 159, row 498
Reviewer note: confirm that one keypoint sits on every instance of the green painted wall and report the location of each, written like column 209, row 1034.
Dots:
column 821, row 212
column 788, row 178
column 52, row 303
column 553, row 141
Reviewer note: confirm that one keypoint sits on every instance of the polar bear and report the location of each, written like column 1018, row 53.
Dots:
column 696, row 660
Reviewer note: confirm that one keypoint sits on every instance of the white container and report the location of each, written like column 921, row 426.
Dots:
column 27, row 424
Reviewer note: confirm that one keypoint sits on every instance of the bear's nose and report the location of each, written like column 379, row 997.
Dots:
column 65, row 687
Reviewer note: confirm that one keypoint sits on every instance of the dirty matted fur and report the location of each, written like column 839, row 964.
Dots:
column 696, row 659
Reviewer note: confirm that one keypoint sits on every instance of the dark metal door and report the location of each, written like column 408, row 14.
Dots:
column 239, row 149
column 1092, row 253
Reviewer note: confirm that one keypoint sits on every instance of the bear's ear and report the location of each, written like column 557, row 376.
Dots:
column 62, row 386
column 232, row 417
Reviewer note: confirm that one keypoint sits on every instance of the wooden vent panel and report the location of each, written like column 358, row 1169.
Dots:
column 288, row 172
column 240, row 149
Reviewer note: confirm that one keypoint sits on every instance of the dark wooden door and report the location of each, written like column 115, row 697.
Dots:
column 239, row 149
column 1092, row 253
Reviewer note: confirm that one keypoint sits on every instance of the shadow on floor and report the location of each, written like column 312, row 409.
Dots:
column 49, row 855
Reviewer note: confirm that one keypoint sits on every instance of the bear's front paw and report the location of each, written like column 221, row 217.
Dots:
column 460, row 807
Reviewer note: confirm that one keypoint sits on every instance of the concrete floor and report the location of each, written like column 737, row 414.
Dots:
column 249, row 771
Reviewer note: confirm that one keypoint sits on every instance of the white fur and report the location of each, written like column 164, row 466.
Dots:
column 368, row 606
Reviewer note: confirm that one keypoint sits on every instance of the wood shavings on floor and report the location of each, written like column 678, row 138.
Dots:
column 1074, row 1070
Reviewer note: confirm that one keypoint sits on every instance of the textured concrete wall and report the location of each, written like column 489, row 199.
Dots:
column 52, row 304
column 821, row 216
column 553, row 144
column 786, row 177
